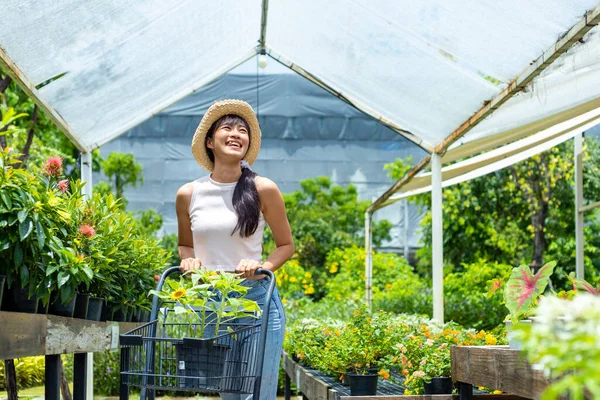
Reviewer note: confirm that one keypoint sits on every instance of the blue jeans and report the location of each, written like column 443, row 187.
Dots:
column 274, row 345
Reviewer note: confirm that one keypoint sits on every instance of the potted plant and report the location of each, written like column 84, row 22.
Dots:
column 521, row 294
column 365, row 342
column 206, row 307
column 30, row 215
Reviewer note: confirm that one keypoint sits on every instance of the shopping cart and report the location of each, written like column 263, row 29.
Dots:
column 170, row 354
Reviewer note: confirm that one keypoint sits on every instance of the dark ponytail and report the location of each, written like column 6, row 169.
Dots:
column 246, row 204
column 245, row 195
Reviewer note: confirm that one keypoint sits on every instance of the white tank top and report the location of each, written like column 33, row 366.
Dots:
column 213, row 218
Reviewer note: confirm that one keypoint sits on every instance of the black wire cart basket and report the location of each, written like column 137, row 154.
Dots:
column 170, row 354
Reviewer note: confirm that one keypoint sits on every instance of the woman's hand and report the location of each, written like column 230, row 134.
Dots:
column 188, row 264
column 246, row 269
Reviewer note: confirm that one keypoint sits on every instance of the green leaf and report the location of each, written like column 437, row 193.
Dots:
column 24, row 274
column 7, row 200
column 25, row 228
column 22, row 215
column 89, row 273
column 63, row 278
column 41, row 236
column 523, row 288
column 18, row 254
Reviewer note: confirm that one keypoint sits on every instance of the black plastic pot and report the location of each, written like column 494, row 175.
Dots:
column 363, row 385
column 63, row 310
column 2, row 280
column 438, row 385
column 120, row 315
column 81, row 305
column 202, row 361
column 130, row 312
column 21, row 301
column 95, row 308
column 346, row 380
column 137, row 315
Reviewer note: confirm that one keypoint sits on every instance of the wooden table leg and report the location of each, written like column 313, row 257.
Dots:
column 465, row 391
column 287, row 389
column 52, row 377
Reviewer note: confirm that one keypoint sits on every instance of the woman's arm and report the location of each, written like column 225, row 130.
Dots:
column 273, row 209
column 184, row 228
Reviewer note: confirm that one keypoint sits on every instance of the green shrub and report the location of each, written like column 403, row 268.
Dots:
column 31, row 371
column 106, row 373
column 396, row 288
column 293, row 281
column 465, row 295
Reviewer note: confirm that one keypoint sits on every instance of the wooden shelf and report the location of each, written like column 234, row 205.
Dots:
column 496, row 367
column 24, row 335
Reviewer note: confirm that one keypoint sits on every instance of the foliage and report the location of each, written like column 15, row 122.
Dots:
column 564, row 342
column 518, row 214
column 46, row 139
column 465, row 300
column 148, row 222
column 106, row 373
column 171, row 245
column 523, row 289
column 30, row 372
column 396, row 288
column 209, row 298
column 293, row 281
column 125, row 171
column 324, row 217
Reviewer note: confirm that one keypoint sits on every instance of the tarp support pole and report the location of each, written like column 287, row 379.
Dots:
column 86, row 173
column 406, row 248
column 368, row 259
column 437, row 238
column 579, row 238
column 86, row 176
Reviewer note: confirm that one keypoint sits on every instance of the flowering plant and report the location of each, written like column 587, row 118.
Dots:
column 565, row 344
column 208, row 299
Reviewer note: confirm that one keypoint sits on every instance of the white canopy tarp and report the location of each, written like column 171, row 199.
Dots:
column 100, row 67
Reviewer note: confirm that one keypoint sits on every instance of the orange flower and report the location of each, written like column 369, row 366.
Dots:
column 404, row 371
column 384, row 374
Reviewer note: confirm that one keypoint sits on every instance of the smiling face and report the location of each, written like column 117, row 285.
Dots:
column 228, row 139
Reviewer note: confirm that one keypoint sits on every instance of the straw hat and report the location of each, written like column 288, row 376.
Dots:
column 216, row 111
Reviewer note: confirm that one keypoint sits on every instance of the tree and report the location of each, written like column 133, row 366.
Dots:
column 125, row 171
column 523, row 213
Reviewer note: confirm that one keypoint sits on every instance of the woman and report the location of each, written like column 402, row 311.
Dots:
column 221, row 217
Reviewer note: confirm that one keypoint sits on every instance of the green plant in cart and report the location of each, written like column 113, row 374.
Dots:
column 210, row 298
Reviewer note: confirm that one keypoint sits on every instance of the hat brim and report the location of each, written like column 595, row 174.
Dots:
column 216, row 111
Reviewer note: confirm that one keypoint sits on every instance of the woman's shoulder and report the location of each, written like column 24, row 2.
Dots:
column 265, row 185
column 186, row 190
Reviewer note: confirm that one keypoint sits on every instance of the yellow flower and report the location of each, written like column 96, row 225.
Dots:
column 309, row 290
column 293, row 279
column 497, row 392
column 490, row 340
column 179, row 293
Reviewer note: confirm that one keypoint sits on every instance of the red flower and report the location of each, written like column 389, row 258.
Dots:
column 87, row 230
column 53, row 166
column 157, row 278
column 63, row 185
